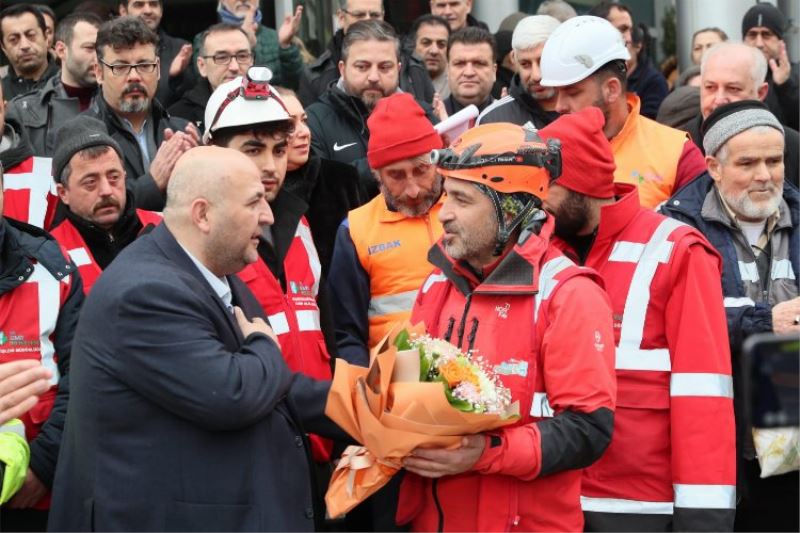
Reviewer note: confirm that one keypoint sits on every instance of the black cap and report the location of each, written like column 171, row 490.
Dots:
column 78, row 134
column 764, row 15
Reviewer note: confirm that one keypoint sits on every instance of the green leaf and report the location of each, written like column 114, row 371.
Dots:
column 461, row 405
column 402, row 341
column 424, row 365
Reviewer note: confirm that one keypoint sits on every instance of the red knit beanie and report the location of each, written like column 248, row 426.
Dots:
column 399, row 129
column 587, row 163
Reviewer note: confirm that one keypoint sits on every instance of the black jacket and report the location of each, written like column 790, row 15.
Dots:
column 454, row 106
column 339, row 132
column 42, row 112
column 192, row 105
column 105, row 245
column 318, row 76
column 177, row 422
column 21, row 148
column 650, row 86
column 331, row 189
column 782, row 100
column 22, row 245
column 148, row 196
column 15, row 85
column 170, row 89
column 518, row 108
column 791, row 151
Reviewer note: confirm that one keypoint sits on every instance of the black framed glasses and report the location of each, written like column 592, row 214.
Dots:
column 123, row 69
column 364, row 14
column 243, row 58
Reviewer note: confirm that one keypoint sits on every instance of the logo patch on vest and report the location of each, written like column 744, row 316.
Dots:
column 502, row 310
column 300, row 288
column 598, row 341
column 512, row 367
column 378, row 248
column 649, row 177
column 16, row 343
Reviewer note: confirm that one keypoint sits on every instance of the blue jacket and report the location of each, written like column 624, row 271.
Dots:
column 686, row 206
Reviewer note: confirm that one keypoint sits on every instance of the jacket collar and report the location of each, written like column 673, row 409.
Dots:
column 514, row 274
column 631, row 122
column 616, row 217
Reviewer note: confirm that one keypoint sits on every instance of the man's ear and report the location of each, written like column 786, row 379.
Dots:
column 123, row 9
column 201, row 67
column 612, row 89
column 714, row 170
column 61, row 51
column 199, row 211
column 63, row 193
column 341, row 68
column 762, row 91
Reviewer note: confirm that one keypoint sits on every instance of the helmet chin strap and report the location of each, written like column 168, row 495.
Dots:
column 504, row 230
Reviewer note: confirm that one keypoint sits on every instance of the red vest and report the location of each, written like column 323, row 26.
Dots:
column 28, row 317
column 512, row 326
column 29, row 193
column 294, row 315
column 69, row 237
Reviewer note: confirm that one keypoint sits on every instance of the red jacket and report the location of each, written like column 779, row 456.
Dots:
column 294, row 315
column 68, row 236
column 29, row 192
column 545, row 325
column 673, row 452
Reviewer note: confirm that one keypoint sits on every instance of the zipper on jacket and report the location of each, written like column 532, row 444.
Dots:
column 463, row 323
column 449, row 332
column 439, row 510
column 472, row 333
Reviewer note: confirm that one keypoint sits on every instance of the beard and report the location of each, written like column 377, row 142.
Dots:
column 571, row 216
column 743, row 205
column 85, row 76
column 416, row 207
column 478, row 243
column 138, row 104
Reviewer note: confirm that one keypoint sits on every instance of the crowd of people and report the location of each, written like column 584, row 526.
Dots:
column 193, row 233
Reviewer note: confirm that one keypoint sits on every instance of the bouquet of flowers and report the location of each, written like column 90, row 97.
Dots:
column 419, row 392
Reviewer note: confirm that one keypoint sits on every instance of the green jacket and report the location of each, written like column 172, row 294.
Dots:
column 286, row 64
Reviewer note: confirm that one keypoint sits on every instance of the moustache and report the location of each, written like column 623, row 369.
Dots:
column 108, row 202
column 135, row 87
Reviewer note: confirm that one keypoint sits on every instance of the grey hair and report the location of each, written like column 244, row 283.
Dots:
column 533, row 31
column 370, row 30
column 758, row 71
column 558, row 9
column 723, row 153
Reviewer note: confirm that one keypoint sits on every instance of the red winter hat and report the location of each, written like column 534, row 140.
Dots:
column 587, row 163
column 399, row 129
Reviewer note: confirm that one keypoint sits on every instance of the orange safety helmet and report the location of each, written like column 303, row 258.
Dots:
column 504, row 157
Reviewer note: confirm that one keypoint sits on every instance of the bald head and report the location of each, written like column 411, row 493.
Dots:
column 204, row 172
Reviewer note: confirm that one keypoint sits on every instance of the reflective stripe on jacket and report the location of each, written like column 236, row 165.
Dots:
column 29, row 192
column 70, row 238
column 671, row 463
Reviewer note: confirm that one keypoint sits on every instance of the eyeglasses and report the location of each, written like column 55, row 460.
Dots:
column 243, row 58
column 125, row 69
column 364, row 14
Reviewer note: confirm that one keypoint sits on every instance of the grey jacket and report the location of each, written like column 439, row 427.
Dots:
column 42, row 112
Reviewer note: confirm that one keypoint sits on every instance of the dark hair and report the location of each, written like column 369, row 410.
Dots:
column 472, row 35
column 430, row 20
column 65, row 30
column 18, row 10
column 124, row 32
column 615, row 68
column 46, row 10
column 603, row 9
column 219, row 28
column 98, row 7
column 369, row 30
column 126, row 2
column 223, row 136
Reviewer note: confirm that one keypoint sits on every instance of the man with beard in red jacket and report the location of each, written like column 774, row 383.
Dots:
column 502, row 290
column 671, row 463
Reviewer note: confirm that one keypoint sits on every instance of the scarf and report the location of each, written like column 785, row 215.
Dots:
column 227, row 17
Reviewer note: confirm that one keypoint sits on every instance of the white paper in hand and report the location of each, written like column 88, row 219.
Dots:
column 456, row 124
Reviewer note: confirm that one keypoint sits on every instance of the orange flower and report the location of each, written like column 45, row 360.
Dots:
column 454, row 372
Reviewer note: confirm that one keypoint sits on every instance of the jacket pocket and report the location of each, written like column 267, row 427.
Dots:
column 185, row 516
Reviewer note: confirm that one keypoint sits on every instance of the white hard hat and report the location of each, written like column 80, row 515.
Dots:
column 243, row 101
column 578, row 48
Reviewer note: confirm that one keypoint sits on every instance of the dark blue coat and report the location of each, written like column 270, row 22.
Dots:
column 178, row 423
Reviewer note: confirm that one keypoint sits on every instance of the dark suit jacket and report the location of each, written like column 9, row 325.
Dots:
column 178, row 423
